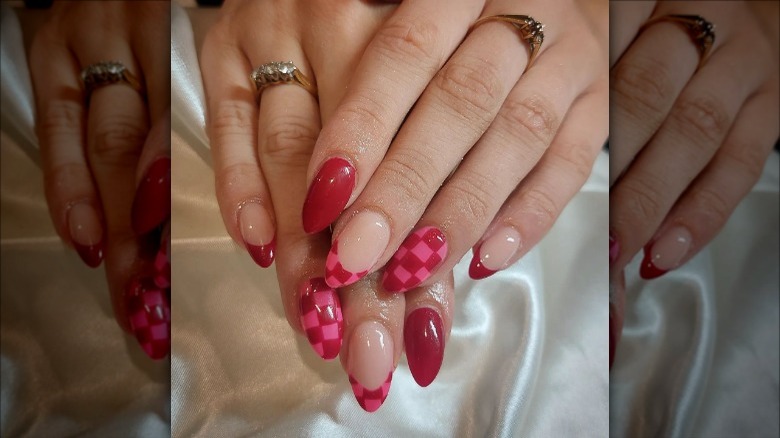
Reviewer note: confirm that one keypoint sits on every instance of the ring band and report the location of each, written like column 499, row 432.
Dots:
column 702, row 31
column 275, row 73
column 530, row 30
column 105, row 73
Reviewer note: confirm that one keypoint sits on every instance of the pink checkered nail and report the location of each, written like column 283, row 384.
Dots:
column 335, row 274
column 149, row 314
column 321, row 317
column 371, row 400
column 416, row 260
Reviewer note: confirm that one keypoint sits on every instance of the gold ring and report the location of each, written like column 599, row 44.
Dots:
column 274, row 73
column 530, row 30
column 702, row 31
column 105, row 73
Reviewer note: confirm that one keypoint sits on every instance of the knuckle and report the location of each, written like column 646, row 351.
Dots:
column 641, row 197
column 538, row 202
column 644, row 87
column 474, row 198
column 405, row 171
column 288, row 139
column 712, row 203
column 61, row 117
column 532, row 116
column 411, row 41
column 702, row 117
column 118, row 139
column 365, row 111
column 471, row 90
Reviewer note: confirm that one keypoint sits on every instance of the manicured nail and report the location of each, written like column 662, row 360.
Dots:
column 614, row 248
column 357, row 249
column 86, row 232
column 328, row 194
column 149, row 313
column 370, row 364
column 414, row 262
column 258, row 233
column 152, row 203
column 494, row 253
column 162, row 261
column 321, row 317
column 424, row 343
column 665, row 253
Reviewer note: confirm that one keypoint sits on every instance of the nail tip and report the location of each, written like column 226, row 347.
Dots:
column 263, row 255
column 149, row 317
column 91, row 255
column 371, row 400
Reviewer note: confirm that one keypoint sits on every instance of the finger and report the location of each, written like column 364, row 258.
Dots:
column 373, row 332
column 242, row 193
column 617, row 305
column 73, row 200
column 533, row 208
column 416, row 40
column 427, row 326
column 626, row 20
column 709, row 201
column 150, row 42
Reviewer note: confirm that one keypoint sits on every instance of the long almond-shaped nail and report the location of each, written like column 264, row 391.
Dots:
column 162, row 261
column 370, row 364
column 149, row 314
column 321, row 317
column 666, row 253
column 494, row 253
column 424, row 343
column 614, row 247
column 416, row 260
column 357, row 249
column 152, row 203
column 86, row 232
column 258, row 233
column 328, row 194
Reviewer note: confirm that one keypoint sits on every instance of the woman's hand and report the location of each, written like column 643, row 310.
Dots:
column 687, row 142
column 107, row 175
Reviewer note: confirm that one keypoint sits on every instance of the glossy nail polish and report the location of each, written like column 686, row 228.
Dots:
column 416, row 260
column 614, row 248
column 328, row 194
column 666, row 253
column 357, row 249
column 424, row 343
column 152, row 203
column 162, row 260
column 494, row 253
column 321, row 317
column 258, row 233
column 86, row 232
column 149, row 314
column 370, row 364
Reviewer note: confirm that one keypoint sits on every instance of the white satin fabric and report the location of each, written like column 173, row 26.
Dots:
column 527, row 355
column 67, row 369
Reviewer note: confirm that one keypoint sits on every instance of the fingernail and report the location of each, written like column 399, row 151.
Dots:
column 86, row 231
column 424, row 342
column 494, row 253
column 258, row 233
column 357, row 248
column 149, row 314
column 162, row 261
column 665, row 253
column 328, row 194
column 321, row 317
column 370, row 364
column 614, row 247
column 152, row 203
column 414, row 262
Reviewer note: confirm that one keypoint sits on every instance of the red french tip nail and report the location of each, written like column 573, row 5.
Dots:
column 149, row 315
column 263, row 255
column 424, row 343
column 371, row 399
column 92, row 255
column 152, row 203
column 477, row 270
column 648, row 270
column 321, row 317
column 328, row 194
column 614, row 248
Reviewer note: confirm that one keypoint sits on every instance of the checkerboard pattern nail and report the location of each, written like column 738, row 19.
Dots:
column 321, row 317
column 371, row 400
column 420, row 254
column 335, row 274
column 149, row 311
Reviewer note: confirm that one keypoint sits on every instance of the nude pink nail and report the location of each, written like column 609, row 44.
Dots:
column 665, row 253
column 86, row 232
column 356, row 249
column 257, row 230
column 370, row 364
column 494, row 253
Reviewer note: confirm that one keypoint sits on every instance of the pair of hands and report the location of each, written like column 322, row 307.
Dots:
column 426, row 140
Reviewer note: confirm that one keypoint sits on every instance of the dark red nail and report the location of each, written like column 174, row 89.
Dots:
column 328, row 194
column 263, row 255
column 321, row 317
column 648, row 270
column 149, row 315
column 92, row 255
column 477, row 270
column 614, row 248
column 424, row 343
column 152, row 203
column 162, row 261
